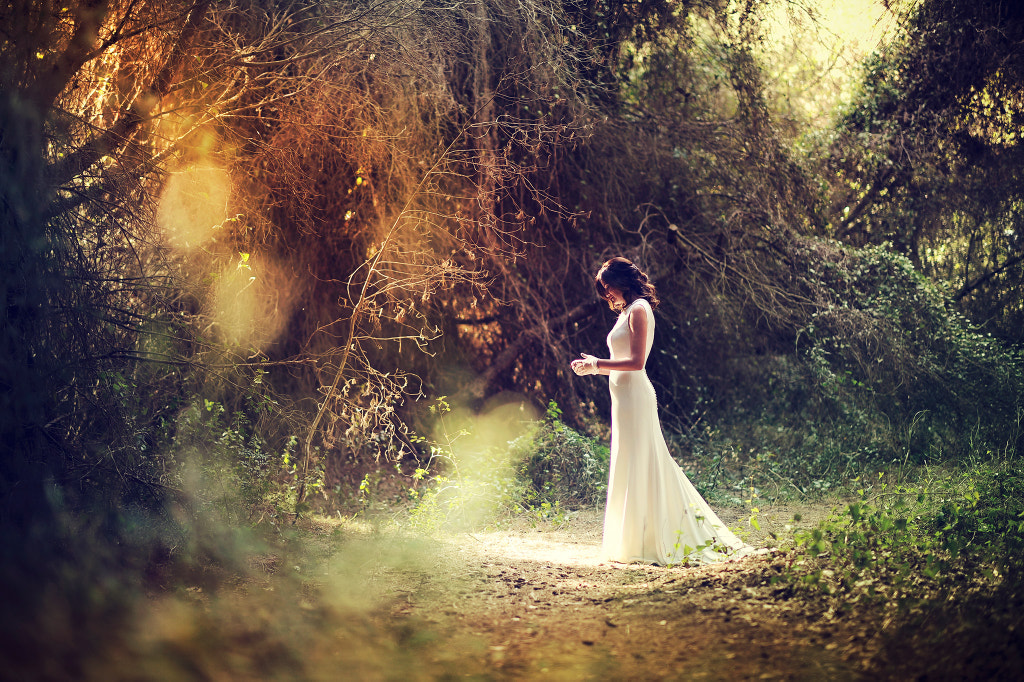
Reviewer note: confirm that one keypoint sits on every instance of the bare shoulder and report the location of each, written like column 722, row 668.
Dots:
column 640, row 304
column 640, row 311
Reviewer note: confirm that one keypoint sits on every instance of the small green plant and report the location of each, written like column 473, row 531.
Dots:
column 560, row 464
column 226, row 466
column 468, row 482
column 551, row 512
column 898, row 542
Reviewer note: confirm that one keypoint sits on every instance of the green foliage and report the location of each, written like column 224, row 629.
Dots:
column 782, row 459
column 547, row 472
column 884, row 344
column 227, row 468
column 464, row 502
column 561, row 465
column 467, row 482
column 927, row 154
column 900, row 543
column 985, row 519
column 879, row 368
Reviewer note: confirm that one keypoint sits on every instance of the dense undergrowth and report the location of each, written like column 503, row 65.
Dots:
column 906, row 536
column 546, row 471
column 914, row 546
column 933, row 554
column 882, row 369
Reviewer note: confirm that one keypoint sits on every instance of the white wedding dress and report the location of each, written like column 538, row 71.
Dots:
column 653, row 514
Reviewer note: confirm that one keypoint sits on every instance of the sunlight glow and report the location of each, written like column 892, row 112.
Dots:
column 814, row 50
column 251, row 301
column 194, row 205
column 473, row 445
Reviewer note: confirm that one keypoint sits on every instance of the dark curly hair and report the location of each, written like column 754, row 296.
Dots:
column 621, row 274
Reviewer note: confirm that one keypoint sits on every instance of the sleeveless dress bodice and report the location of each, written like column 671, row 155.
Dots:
column 618, row 337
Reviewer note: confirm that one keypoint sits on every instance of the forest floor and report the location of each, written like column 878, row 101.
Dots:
column 535, row 601
column 366, row 598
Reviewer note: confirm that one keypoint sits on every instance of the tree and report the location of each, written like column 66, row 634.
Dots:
column 102, row 103
column 928, row 157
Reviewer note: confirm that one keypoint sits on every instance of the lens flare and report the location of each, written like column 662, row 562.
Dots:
column 250, row 301
column 479, row 459
column 194, row 205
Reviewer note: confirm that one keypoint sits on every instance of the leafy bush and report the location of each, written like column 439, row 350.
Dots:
column 469, row 475
column 986, row 518
column 901, row 544
column 883, row 335
column 562, row 465
column 877, row 366
column 227, row 468
column 546, row 471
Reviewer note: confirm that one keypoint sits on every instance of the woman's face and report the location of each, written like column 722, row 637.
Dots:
column 614, row 295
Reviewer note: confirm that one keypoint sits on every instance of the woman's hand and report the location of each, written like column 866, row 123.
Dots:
column 586, row 365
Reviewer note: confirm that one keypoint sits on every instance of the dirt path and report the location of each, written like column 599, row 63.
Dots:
column 537, row 603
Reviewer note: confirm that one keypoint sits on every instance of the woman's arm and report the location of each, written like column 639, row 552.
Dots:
column 605, row 372
column 638, row 346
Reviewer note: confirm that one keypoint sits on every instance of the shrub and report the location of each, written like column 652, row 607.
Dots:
column 562, row 465
column 876, row 366
column 901, row 544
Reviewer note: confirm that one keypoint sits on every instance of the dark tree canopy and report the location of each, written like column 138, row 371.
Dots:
column 928, row 158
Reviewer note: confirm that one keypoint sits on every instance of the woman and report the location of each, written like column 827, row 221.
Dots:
column 653, row 514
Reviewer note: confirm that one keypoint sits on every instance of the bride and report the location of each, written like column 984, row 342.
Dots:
column 653, row 513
